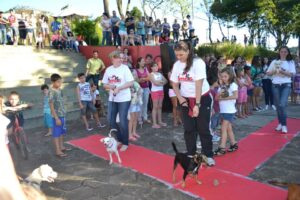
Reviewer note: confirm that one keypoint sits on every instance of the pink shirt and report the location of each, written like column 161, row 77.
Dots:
column 144, row 74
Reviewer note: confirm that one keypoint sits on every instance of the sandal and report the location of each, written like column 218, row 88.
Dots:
column 156, row 126
column 131, row 138
column 220, row 151
column 162, row 124
column 136, row 135
column 233, row 147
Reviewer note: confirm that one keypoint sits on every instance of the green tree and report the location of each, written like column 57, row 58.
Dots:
column 86, row 28
column 136, row 13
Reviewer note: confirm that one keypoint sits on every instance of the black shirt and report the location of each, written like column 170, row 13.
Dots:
column 131, row 26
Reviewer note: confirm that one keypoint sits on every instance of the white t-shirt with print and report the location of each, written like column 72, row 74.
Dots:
column 288, row 66
column 4, row 121
column 85, row 91
column 228, row 106
column 187, row 80
column 118, row 76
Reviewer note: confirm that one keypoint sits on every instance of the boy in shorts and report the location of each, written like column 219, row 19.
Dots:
column 47, row 112
column 58, row 115
column 86, row 101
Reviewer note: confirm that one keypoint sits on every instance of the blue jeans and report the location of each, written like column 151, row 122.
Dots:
column 122, row 109
column 281, row 94
column 3, row 37
column 215, row 121
column 106, row 38
column 95, row 78
column 144, row 108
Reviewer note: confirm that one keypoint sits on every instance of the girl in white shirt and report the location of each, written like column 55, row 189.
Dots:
column 227, row 96
column 194, row 98
column 282, row 71
column 157, row 94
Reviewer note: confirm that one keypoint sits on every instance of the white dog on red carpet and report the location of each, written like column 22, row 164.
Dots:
column 111, row 145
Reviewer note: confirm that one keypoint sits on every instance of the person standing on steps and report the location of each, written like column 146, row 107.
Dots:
column 281, row 70
column 194, row 97
column 94, row 67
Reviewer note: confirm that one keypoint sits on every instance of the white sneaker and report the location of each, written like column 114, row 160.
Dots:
column 274, row 107
column 101, row 125
column 211, row 162
column 279, row 127
column 89, row 129
column 124, row 147
column 284, row 129
column 267, row 107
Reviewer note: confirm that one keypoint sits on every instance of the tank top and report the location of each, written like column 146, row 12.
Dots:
column 122, row 26
column 143, row 75
column 157, row 77
column 85, row 91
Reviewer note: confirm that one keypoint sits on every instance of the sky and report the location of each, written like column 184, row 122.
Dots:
column 94, row 8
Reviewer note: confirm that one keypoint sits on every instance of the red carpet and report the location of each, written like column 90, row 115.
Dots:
column 225, row 181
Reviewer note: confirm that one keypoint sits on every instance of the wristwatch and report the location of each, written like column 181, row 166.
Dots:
column 198, row 104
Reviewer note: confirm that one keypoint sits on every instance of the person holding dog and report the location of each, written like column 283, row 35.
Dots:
column 194, row 98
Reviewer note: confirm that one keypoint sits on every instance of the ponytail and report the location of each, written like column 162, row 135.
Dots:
column 186, row 47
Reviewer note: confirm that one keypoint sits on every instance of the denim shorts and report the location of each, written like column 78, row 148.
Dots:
column 227, row 116
column 58, row 131
column 87, row 105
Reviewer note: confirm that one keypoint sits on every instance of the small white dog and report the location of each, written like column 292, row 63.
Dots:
column 43, row 173
column 111, row 145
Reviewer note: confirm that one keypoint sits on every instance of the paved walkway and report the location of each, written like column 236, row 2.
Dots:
column 84, row 176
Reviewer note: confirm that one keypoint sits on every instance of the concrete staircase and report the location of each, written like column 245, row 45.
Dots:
column 25, row 69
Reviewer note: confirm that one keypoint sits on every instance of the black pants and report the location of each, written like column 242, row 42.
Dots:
column 198, row 125
column 116, row 36
column 267, row 87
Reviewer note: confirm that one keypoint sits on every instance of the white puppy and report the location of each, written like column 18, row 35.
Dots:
column 43, row 173
column 111, row 145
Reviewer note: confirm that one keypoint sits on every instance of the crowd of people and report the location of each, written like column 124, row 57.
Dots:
column 36, row 30
column 144, row 31
column 207, row 95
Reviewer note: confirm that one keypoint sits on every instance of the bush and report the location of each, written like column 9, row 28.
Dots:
column 230, row 51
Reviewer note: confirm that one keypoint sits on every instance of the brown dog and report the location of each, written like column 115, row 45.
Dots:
column 190, row 164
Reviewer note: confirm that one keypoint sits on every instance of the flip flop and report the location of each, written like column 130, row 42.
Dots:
column 66, row 149
column 62, row 155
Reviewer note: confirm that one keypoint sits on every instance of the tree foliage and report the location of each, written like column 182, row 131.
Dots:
column 276, row 17
column 86, row 28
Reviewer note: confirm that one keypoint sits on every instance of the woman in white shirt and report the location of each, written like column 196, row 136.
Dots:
column 194, row 98
column 118, row 79
column 282, row 70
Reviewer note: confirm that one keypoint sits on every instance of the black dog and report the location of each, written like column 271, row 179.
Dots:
column 190, row 164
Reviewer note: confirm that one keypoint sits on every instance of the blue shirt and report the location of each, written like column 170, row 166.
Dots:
column 46, row 105
column 140, row 28
column 55, row 26
column 122, row 26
